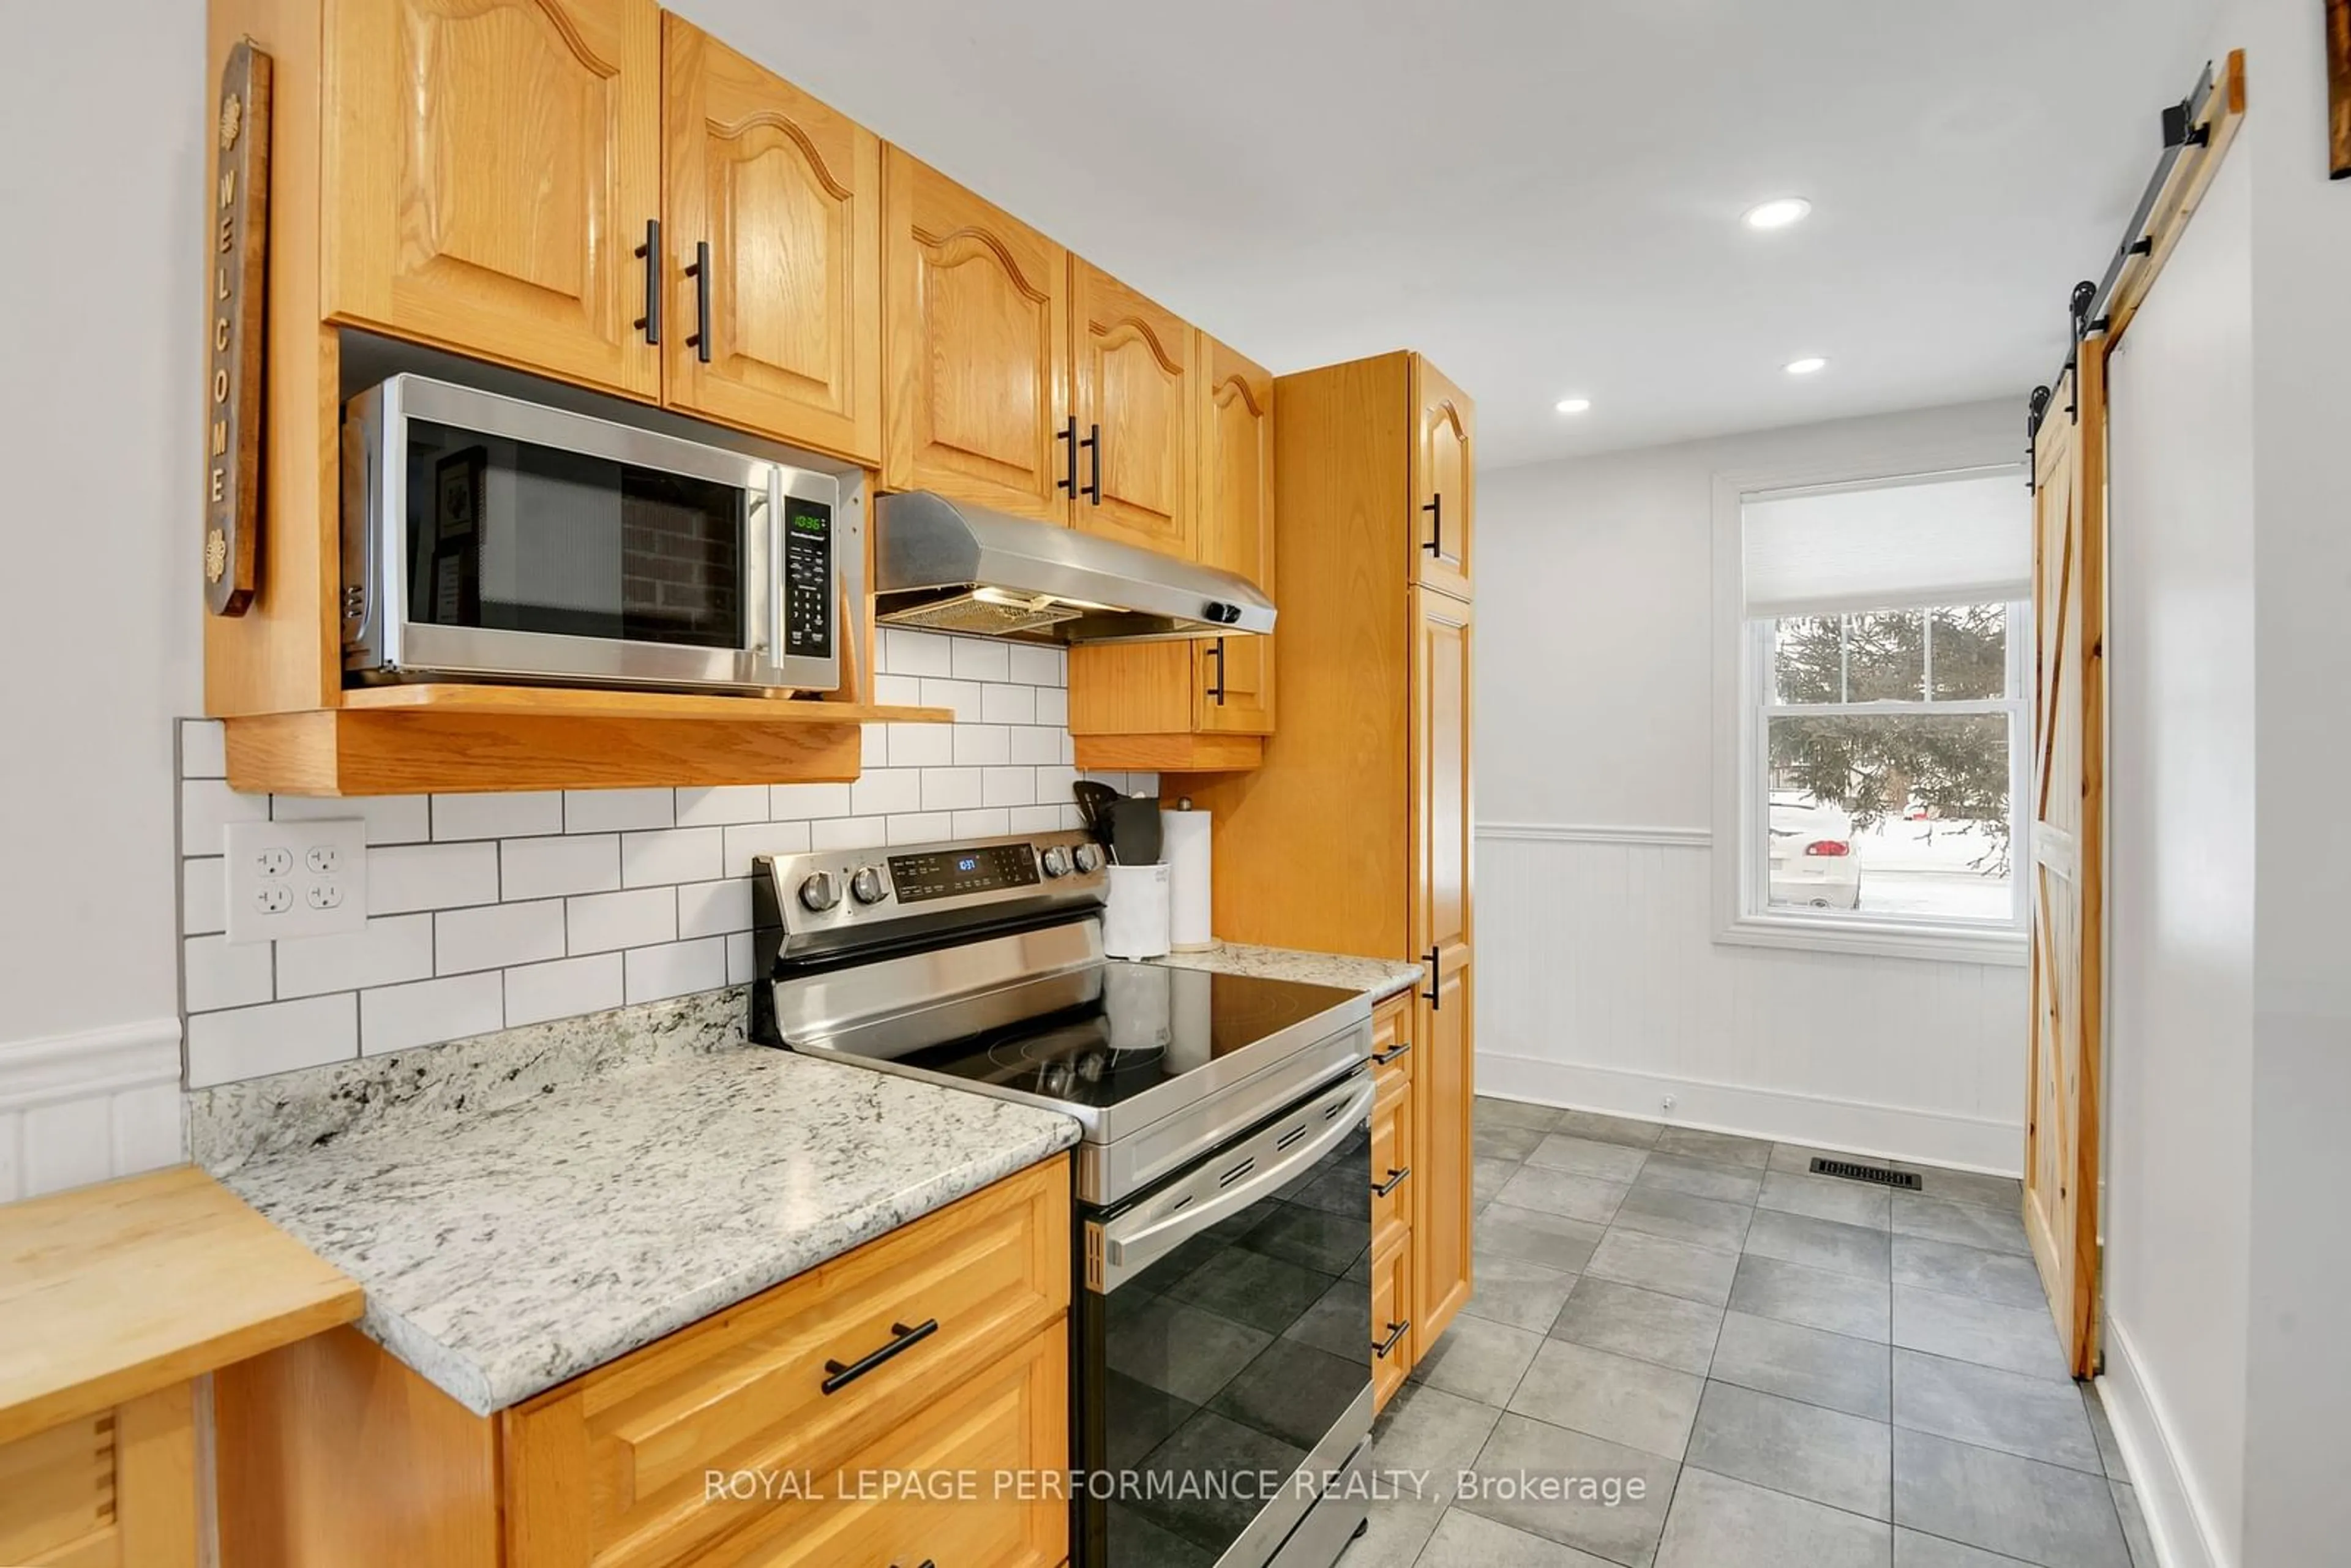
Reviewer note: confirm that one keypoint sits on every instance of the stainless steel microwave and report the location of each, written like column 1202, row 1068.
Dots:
column 487, row 538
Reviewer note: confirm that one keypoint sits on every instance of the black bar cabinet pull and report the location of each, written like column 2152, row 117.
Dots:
column 1069, row 432
column 1217, row 652
column 1395, row 1332
column 1434, row 507
column 700, row 273
column 1395, row 1175
column 1382, row 1058
column 1092, row 444
column 840, row 1376
column 650, row 322
column 925, row 1563
column 1435, row 993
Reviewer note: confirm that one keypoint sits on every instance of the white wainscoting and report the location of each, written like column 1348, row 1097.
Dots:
column 1600, row 985
column 80, row 1108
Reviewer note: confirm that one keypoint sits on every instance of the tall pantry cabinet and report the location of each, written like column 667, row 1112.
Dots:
column 1354, row 835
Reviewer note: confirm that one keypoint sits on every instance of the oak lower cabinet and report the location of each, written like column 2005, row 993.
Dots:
column 1352, row 834
column 486, row 174
column 764, row 1434
column 116, row 1490
column 1193, row 706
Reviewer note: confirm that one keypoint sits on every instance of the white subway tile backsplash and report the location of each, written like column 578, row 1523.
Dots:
column 950, row 789
column 606, row 922
column 207, row 806
column 397, row 1017
column 565, row 988
column 887, row 790
column 384, row 952
column 978, row 659
column 848, row 834
column 676, row 855
column 203, row 748
column 1035, row 667
column 800, row 802
column 714, row 908
column 980, row 744
column 390, row 818
column 906, row 652
column 1009, row 786
column 496, row 936
column 407, row 877
column 247, row 1043
column 962, row 698
column 551, row 868
column 919, row 827
column 748, row 842
column 203, row 895
column 981, row 824
column 723, row 804
column 1007, row 704
column 506, row 816
column 499, row 910
column 220, row 975
column 617, row 810
column 678, row 969
column 921, row 745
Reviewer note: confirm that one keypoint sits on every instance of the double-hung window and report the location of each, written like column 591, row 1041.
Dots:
column 1884, row 752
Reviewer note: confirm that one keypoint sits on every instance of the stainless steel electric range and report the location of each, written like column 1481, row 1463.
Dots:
column 1221, row 1337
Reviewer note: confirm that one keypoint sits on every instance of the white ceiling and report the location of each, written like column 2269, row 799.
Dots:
column 1544, row 197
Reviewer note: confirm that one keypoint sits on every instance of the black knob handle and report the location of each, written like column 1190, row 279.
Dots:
column 650, row 322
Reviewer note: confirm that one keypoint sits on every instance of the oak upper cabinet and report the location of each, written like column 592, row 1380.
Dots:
column 976, row 347
column 1137, row 404
column 1236, row 508
column 1444, row 432
column 1441, row 941
column 777, row 325
column 489, row 167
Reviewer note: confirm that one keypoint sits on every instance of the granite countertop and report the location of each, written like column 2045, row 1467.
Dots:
column 1376, row 977
column 519, row 1230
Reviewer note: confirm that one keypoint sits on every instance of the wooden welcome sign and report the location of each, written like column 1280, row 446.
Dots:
column 239, row 252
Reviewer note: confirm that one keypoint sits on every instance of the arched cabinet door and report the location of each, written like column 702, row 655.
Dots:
column 1236, row 507
column 975, row 345
column 1137, row 407
column 1443, row 479
column 787, row 194
column 490, row 167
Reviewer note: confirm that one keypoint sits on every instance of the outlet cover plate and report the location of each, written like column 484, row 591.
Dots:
column 273, row 891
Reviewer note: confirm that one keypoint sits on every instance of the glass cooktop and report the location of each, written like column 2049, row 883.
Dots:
column 1093, row 1037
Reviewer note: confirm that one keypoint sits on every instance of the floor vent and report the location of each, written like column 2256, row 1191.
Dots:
column 1877, row 1174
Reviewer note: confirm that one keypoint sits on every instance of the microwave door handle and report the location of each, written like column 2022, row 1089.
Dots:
column 1125, row 1250
column 777, row 579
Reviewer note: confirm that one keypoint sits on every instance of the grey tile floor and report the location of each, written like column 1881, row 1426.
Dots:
column 1805, row 1372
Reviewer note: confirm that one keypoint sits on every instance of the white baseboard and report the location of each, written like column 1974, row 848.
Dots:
column 1853, row 1126
column 2176, row 1523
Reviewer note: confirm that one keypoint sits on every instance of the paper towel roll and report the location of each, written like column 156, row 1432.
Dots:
column 1183, row 845
column 1134, row 921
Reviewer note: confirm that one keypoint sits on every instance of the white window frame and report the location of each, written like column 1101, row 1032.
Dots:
column 1741, row 798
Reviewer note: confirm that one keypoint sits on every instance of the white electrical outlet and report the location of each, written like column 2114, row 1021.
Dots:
column 296, row 878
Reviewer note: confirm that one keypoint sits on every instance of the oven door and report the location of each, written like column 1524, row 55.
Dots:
column 487, row 538
column 1223, row 1347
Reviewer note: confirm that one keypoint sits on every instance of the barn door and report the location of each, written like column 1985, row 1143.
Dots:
column 2061, row 1157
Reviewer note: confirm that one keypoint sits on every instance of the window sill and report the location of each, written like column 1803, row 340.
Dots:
column 1880, row 939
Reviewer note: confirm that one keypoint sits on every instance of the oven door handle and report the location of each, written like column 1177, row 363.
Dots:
column 1126, row 1250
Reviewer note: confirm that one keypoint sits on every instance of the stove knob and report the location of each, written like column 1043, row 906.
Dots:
column 1088, row 859
column 1056, row 862
column 867, row 886
column 821, row 891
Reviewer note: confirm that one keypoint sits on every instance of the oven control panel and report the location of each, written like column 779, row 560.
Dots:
column 833, row 899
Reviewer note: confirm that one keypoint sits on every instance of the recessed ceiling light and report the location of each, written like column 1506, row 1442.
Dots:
column 1778, row 214
column 1807, row 366
column 1572, row 404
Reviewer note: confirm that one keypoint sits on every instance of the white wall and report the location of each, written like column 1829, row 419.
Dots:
column 103, row 194
column 1599, row 982
column 2181, row 879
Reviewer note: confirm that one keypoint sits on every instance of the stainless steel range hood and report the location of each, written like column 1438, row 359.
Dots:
column 954, row 567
